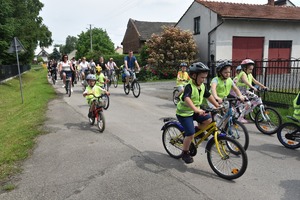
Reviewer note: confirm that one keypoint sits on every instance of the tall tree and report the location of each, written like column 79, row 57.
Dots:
column 171, row 47
column 55, row 54
column 101, row 44
column 70, row 44
column 21, row 19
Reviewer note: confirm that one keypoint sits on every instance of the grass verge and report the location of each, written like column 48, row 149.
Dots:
column 21, row 123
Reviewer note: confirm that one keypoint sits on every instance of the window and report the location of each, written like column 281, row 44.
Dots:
column 196, row 25
column 278, row 44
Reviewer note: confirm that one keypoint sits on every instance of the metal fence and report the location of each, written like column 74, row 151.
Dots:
column 282, row 77
column 8, row 71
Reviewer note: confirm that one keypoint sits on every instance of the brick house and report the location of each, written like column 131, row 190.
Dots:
column 138, row 32
column 236, row 31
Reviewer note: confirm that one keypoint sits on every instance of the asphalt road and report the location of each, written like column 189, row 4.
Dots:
column 128, row 161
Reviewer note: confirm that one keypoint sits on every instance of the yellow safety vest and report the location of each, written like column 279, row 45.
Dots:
column 197, row 97
column 296, row 108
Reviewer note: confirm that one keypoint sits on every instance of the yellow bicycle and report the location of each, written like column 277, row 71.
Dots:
column 226, row 156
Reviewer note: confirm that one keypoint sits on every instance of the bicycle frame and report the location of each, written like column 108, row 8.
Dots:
column 211, row 129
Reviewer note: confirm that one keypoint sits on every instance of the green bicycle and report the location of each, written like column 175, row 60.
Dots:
column 226, row 156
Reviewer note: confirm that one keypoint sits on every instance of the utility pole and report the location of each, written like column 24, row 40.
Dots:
column 91, row 37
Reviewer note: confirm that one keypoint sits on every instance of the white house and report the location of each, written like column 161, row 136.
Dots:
column 235, row 31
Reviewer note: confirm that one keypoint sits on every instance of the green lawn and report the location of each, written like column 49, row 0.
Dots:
column 20, row 123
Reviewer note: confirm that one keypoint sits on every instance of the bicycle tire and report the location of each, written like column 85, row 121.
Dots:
column 175, row 97
column 92, row 120
column 284, row 130
column 253, row 113
column 136, row 89
column 126, row 89
column 271, row 125
column 239, row 132
column 115, row 80
column 231, row 166
column 53, row 79
column 172, row 139
column 101, row 121
column 69, row 88
column 106, row 99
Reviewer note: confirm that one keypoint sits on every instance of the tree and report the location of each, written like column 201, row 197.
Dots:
column 101, row 44
column 19, row 18
column 69, row 46
column 55, row 54
column 167, row 50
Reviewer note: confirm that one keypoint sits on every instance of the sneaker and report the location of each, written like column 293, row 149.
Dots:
column 242, row 120
column 127, row 86
column 186, row 157
column 63, row 86
column 71, row 90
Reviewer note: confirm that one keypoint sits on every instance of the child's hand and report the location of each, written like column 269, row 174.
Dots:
column 201, row 112
column 107, row 93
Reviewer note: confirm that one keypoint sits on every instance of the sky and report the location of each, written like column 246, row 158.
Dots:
column 71, row 17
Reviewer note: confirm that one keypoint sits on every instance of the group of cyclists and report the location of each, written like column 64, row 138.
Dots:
column 93, row 75
column 191, row 85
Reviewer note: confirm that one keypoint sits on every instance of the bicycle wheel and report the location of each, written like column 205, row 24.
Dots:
column 172, row 139
column 270, row 123
column 175, row 97
column 230, row 165
column 239, row 132
column 126, row 89
column 69, row 88
column 115, row 80
column 288, row 135
column 92, row 120
column 105, row 98
column 101, row 121
column 253, row 113
column 53, row 78
column 136, row 89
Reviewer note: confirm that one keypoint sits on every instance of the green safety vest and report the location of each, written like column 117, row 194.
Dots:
column 296, row 108
column 197, row 97
column 223, row 87
column 96, row 90
column 240, row 83
column 100, row 79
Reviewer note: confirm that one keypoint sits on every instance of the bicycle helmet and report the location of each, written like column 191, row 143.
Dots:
column 98, row 68
column 221, row 66
column 183, row 64
column 239, row 68
column 91, row 77
column 247, row 62
column 197, row 67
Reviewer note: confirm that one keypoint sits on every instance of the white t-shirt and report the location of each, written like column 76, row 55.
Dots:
column 84, row 66
column 111, row 65
column 65, row 66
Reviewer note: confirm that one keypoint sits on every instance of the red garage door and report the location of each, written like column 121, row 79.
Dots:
column 279, row 56
column 248, row 47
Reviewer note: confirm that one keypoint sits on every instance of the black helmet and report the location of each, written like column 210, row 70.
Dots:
column 198, row 67
column 221, row 66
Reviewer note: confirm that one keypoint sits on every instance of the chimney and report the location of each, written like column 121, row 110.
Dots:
column 271, row 3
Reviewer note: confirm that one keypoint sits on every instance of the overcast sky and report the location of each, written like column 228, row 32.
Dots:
column 71, row 17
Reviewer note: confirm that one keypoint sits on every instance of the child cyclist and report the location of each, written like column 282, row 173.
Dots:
column 222, row 84
column 100, row 77
column 182, row 78
column 91, row 90
column 188, row 108
column 296, row 105
column 244, row 83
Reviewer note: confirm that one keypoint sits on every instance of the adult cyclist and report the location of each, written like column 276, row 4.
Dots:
column 130, row 62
